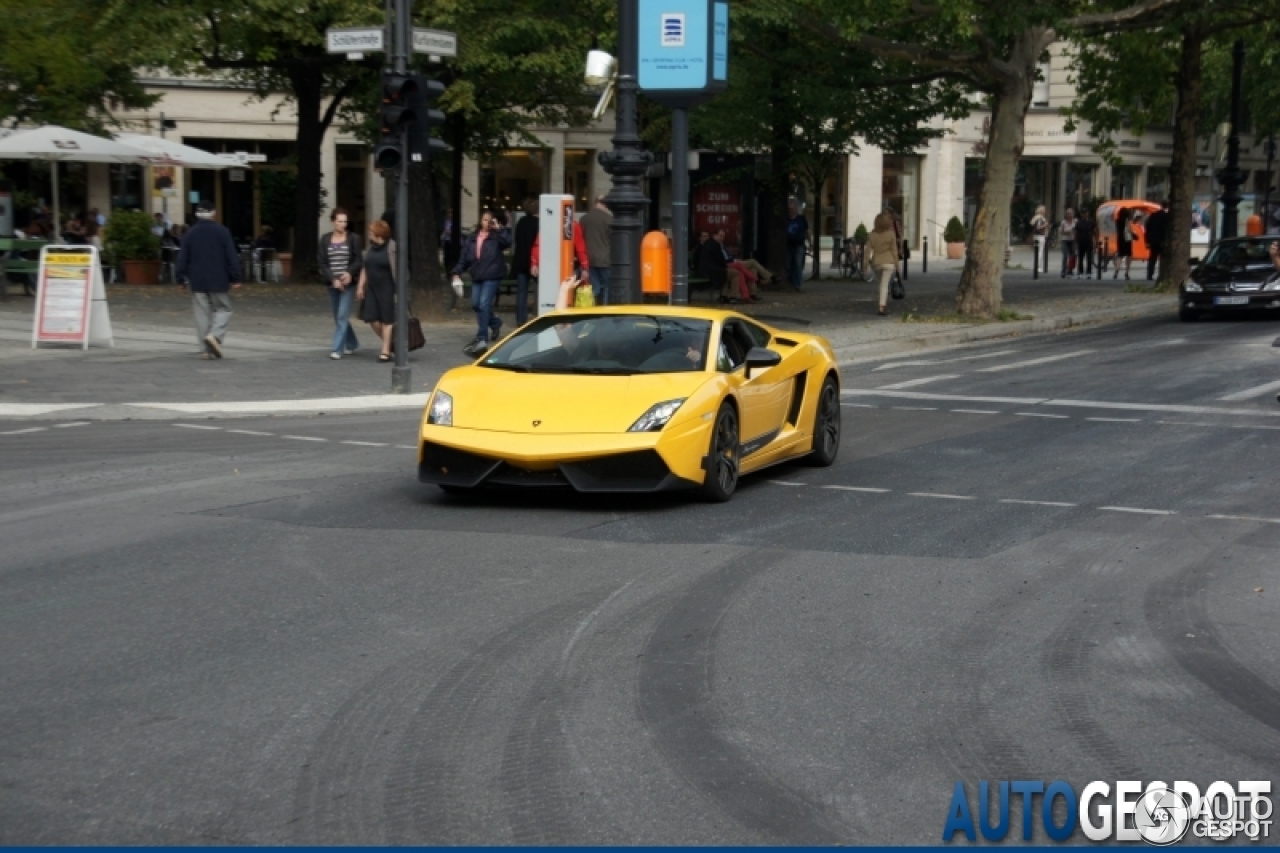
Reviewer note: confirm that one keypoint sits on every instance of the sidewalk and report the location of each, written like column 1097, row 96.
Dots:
column 278, row 346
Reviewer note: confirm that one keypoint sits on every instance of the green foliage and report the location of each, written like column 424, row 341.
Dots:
column 128, row 237
column 860, row 234
column 279, row 190
column 61, row 64
column 955, row 231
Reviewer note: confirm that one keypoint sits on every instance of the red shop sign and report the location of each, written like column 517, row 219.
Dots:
column 717, row 206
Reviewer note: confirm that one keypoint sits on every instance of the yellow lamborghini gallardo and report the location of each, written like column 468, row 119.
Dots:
column 633, row 399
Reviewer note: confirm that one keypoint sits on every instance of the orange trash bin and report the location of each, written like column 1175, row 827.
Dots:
column 655, row 263
column 1253, row 226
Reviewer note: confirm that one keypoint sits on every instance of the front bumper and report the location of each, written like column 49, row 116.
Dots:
column 1205, row 301
column 631, row 462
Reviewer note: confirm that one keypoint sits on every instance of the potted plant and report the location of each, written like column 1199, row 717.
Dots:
column 954, row 236
column 131, row 246
column 860, row 235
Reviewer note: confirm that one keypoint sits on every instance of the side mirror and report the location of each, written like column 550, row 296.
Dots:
column 1194, row 262
column 760, row 357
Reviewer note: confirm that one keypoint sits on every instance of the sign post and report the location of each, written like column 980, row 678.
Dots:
column 555, row 247
column 684, row 59
column 71, row 303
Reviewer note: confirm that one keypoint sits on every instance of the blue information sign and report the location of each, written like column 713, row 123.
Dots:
column 683, row 49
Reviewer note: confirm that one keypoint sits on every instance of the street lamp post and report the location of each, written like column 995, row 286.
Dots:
column 627, row 163
column 1270, row 147
column 401, row 373
column 1231, row 177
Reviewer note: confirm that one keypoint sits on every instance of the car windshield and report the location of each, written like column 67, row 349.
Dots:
column 605, row 344
column 1233, row 253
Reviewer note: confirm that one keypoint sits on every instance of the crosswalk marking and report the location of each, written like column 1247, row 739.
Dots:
column 1250, row 393
column 1035, row 361
column 911, row 383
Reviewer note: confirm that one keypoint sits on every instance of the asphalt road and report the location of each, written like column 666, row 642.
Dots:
column 1050, row 558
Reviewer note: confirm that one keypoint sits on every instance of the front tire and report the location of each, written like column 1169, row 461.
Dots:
column 723, row 458
column 826, row 426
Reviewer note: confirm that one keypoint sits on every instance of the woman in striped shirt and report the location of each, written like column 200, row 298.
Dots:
column 340, row 263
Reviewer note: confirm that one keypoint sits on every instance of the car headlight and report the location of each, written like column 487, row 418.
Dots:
column 441, row 411
column 657, row 416
column 1190, row 286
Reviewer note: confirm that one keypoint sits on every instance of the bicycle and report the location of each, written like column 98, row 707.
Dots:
column 853, row 261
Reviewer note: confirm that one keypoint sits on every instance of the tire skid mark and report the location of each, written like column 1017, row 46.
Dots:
column 535, row 763
column 1177, row 614
column 432, row 797
column 677, row 706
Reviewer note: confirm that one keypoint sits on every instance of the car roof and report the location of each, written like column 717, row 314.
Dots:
column 712, row 314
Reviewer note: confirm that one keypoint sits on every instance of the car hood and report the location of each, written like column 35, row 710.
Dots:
column 1225, row 274
column 547, row 403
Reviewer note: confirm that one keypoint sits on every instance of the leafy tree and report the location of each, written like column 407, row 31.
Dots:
column 61, row 64
column 1137, row 80
column 809, row 100
column 272, row 46
column 994, row 47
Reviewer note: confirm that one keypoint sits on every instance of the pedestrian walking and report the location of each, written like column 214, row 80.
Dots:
column 377, row 287
column 1124, row 243
column 482, row 256
column 797, row 244
column 1067, row 236
column 883, row 245
column 340, row 265
column 1040, row 238
column 1157, row 232
column 526, row 234
column 595, row 230
column 1084, row 243
column 210, row 265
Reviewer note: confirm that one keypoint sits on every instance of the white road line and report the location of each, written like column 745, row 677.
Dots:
column 1252, row 426
column 857, row 489
column 1186, row 423
column 1137, row 510
column 911, row 383
column 1245, row 518
column 937, row 495
column 22, row 431
column 1043, row 415
column 786, row 483
column 196, row 426
column 926, row 362
column 303, row 438
column 915, row 408
column 367, row 443
column 250, row 432
column 72, row 424
column 1116, row 420
column 859, row 406
column 1047, row 401
column 1250, row 393
column 1036, row 503
column 1035, row 361
column 976, row 411
column 405, row 447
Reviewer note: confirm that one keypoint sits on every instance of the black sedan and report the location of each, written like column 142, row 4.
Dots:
column 1238, row 275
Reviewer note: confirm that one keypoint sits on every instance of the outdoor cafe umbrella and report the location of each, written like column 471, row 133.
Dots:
column 55, row 144
column 165, row 152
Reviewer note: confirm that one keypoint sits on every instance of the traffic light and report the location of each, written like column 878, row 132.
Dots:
column 422, row 145
column 398, row 93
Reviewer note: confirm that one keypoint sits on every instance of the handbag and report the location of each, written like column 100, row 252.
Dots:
column 583, row 297
column 896, row 290
column 417, row 340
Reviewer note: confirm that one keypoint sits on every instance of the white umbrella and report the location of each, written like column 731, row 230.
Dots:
column 168, row 153
column 55, row 144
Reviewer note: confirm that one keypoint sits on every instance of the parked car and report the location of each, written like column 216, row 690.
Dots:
column 1237, row 275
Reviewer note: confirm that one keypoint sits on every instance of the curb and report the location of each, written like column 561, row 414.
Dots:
column 853, row 353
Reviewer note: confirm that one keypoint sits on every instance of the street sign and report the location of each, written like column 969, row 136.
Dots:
column 354, row 39
column 71, row 304
column 435, row 42
column 684, row 50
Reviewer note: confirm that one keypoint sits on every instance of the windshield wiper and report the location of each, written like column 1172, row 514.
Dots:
column 605, row 371
column 518, row 368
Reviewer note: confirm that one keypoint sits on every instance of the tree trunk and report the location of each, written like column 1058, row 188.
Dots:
column 308, row 92
column 431, row 298
column 1174, row 262
column 981, row 283
column 457, row 129
column 818, row 181
column 780, row 185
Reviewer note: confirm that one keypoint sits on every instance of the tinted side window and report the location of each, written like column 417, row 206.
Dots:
column 758, row 334
column 733, row 354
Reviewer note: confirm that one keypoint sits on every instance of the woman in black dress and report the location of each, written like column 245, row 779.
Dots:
column 1124, row 244
column 377, row 288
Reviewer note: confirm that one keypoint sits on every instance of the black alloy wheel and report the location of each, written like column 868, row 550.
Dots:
column 722, row 462
column 826, row 426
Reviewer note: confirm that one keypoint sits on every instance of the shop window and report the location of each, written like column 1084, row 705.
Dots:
column 509, row 178
column 126, row 186
column 1040, row 89
column 900, row 190
column 577, row 178
column 1124, row 181
column 1157, row 185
